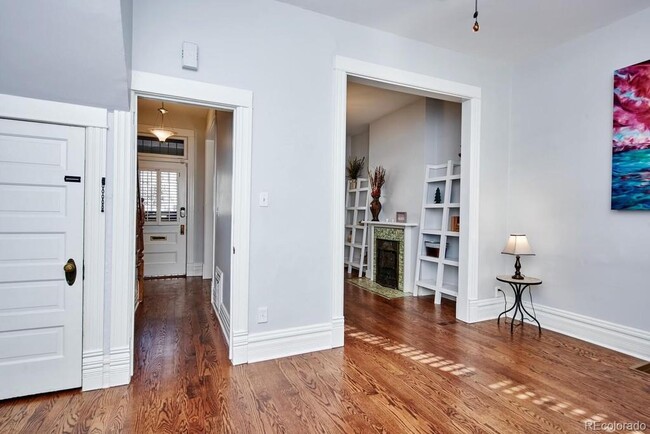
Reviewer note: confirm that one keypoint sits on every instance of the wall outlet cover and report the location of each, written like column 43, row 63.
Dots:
column 264, row 198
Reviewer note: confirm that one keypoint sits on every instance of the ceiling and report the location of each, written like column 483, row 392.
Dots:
column 510, row 29
column 179, row 116
column 366, row 104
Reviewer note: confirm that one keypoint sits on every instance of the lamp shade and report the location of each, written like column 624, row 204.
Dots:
column 162, row 134
column 517, row 245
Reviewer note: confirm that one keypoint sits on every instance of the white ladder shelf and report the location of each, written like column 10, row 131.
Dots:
column 439, row 273
column 356, row 232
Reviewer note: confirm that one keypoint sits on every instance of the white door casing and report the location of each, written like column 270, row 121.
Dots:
column 395, row 79
column 41, row 227
column 220, row 97
column 163, row 186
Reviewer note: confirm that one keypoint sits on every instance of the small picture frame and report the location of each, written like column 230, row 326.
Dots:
column 400, row 216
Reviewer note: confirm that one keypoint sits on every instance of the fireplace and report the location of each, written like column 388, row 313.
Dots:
column 387, row 263
column 395, row 265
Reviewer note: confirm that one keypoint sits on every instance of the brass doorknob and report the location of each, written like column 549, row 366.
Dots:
column 70, row 269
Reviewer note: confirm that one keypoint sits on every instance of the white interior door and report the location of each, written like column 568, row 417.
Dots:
column 163, row 186
column 41, row 229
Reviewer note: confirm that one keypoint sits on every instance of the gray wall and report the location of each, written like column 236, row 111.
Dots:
column 254, row 45
column 70, row 51
column 443, row 131
column 359, row 144
column 398, row 142
column 404, row 142
column 594, row 261
column 223, row 197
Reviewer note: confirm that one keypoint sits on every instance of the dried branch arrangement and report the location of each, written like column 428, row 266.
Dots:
column 377, row 179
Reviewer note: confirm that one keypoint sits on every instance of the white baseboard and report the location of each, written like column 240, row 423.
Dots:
column 100, row 371
column 338, row 332
column 224, row 320
column 194, row 269
column 220, row 310
column 207, row 272
column 289, row 342
column 239, row 348
column 486, row 309
column 92, row 376
column 627, row 340
column 119, row 370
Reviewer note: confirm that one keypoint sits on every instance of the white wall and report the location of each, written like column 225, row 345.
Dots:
column 223, row 197
column 404, row 142
column 285, row 55
column 358, row 147
column 594, row 261
column 443, row 131
column 397, row 142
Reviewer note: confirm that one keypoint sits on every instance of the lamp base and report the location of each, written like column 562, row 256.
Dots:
column 517, row 274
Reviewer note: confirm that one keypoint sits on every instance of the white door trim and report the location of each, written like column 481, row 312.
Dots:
column 207, row 267
column 470, row 97
column 37, row 110
column 193, row 92
column 92, row 365
column 123, row 275
column 95, row 120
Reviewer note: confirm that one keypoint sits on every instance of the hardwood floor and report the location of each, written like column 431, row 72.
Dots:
column 407, row 366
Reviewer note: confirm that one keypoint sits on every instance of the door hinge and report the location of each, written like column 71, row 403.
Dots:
column 83, row 270
column 233, row 250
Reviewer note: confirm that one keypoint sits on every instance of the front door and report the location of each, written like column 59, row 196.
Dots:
column 163, row 189
column 41, row 231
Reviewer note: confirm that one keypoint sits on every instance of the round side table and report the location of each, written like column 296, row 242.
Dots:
column 519, row 286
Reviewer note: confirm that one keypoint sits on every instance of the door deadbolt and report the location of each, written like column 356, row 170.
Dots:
column 70, row 269
column 182, row 212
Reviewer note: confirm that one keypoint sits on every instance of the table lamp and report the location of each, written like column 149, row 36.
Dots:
column 517, row 245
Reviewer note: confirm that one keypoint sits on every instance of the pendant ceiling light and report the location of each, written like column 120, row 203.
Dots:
column 476, row 27
column 161, row 132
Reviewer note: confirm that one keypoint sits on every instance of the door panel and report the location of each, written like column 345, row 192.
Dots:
column 163, row 189
column 41, row 226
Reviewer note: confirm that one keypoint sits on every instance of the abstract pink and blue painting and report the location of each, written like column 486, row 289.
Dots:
column 631, row 138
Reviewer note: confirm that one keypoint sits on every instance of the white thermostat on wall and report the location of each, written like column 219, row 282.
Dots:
column 190, row 56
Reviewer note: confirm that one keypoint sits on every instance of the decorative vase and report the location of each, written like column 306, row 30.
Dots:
column 375, row 208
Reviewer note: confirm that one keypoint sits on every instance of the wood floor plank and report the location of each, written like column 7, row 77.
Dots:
column 407, row 366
